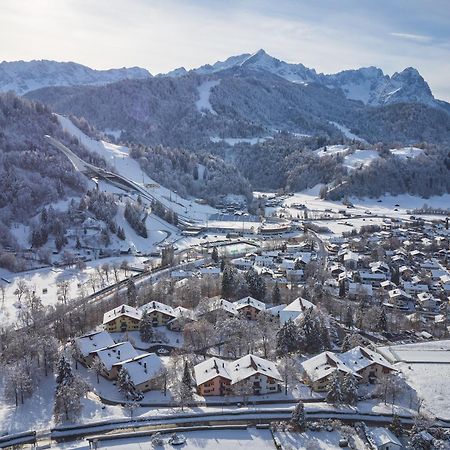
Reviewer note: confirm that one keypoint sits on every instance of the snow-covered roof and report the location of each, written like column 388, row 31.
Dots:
column 158, row 307
column 250, row 301
column 115, row 353
column 359, row 358
column 295, row 309
column 249, row 365
column 398, row 293
column 356, row 359
column 323, row 365
column 235, row 371
column 122, row 310
column 209, row 369
column 142, row 367
column 221, row 303
column 90, row 342
column 382, row 436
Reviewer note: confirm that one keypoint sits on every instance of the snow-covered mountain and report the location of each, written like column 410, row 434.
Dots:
column 25, row 76
column 367, row 84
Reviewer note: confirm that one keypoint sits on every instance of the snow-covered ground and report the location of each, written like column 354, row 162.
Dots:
column 318, row 440
column 118, row 157
column 360, row 158
column 426, row 367
column 234, row 141
column 47, row 279
column 248, row 439
column 204, row 91
column 347, row 133
column 331, row 150
column 407, row 152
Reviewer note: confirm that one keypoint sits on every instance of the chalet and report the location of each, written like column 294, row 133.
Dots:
column 295, row 310
column 145, row 371
column 212, row 377
column 113, row 354
column 123, row 318
column 413, row 288
column 427, row 302
column 218, row 377
column 249, row 307
column 399, row 299
column 220, row 306
column 88, row 343
column 366, row 365
column 160, row 313
column 182, row 316
column 373, row 278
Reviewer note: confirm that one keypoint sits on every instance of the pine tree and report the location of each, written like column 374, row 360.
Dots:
column 131, row 293
column 396, row 425
column 288, row 338
column 64, row 375
column 256, row 284
column 381, row 324
column 351, row 341
column 187, row 379
column 298, row 418
column 342, row 289
column 348, row 319
column 215, row 255
column 222, row 264
column 146, row 328
column 276, row 295
column 126, row 386
column 334, row 394
column 228, row 278
column 350, row 389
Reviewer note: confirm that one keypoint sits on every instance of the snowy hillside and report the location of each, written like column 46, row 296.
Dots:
column 123, row 164
column 25, row 76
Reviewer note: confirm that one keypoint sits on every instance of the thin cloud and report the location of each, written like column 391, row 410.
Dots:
column 413, row 37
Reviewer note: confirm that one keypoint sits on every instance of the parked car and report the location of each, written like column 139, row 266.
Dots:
column 177, row 439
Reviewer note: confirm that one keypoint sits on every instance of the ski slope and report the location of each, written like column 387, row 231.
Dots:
column 204, row 91
column 118, row 157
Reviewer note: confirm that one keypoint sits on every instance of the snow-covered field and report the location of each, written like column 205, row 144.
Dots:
column 360, row 158
column 384, row 205
column 407, row 152
column 47, row 279
column 426, row 367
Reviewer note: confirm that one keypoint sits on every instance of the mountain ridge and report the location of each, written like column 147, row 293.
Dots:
column 25, row 76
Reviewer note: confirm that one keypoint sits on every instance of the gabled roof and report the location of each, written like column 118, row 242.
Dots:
column 353, row 361
column 221, row 303
column 250, row 301
column 359, row 358
column 382, row 436
column 143, row 367
column 158, row 307
column 122, row 310
column 235, row 371
column 249, row 365
column 115, row 353
column 322, row 365
column 209, row 369
column 90, row 342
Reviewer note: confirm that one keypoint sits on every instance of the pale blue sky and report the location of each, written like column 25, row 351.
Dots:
column 160, row 35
